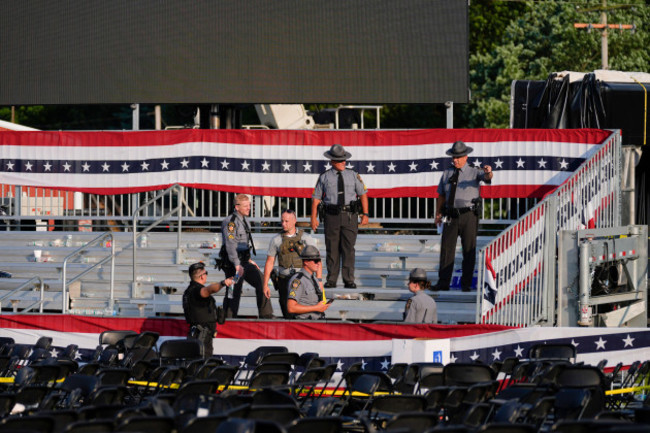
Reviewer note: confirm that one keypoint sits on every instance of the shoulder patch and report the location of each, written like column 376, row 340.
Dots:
column 231, row 236
column 408, row 303
column 295, row 284
column 361, row 180
column 231, row 226
column 292, row 294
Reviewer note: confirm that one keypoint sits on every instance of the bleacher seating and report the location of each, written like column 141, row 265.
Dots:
column 383, row 264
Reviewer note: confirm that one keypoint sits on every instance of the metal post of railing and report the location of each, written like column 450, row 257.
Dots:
column 111, row 302
column 181, row 200
column 550, row 263
column 134, row 222
column 64, row 272
column 615, row 159
column 18, row 203
column 24, row 285
column 479, row 285
column 584, row 282
column 64, row 287
column 134, row 283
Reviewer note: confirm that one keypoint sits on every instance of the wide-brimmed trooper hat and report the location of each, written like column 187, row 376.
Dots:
column 337, row 153
column 418, row 274
column 459, row 149
column 310, row 252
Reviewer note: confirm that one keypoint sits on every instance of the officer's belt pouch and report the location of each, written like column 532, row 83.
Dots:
column 221, row 315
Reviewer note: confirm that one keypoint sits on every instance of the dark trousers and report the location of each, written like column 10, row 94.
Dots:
column 252, row 276
column 283, row 293
column 204, row 333
column 340, row 237
column 465, row 227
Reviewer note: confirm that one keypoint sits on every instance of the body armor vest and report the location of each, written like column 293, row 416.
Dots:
column 197, row 314
column 290, row 249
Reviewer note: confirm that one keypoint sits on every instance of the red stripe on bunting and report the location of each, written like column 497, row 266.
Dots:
column 323, row 138
column 422, row 192
column 246, row 330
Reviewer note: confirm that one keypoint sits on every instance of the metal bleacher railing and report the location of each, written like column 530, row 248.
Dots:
column 521, row 292
column 182, row 210
column 27, row 207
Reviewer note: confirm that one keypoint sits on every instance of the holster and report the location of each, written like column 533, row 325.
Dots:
column 223, row 263
column 275, row 278
column 356, row 206
column 477, row 204
column 200, row 332
column 221, row 315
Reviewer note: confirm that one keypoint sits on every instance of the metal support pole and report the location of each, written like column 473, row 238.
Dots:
column 214, row 116
column 604, row 56
column 158, row 117
column 179, row 250
column 18, row 206
column 585, row 279
column 450, row 114
column 136, row 116
column 550, row 260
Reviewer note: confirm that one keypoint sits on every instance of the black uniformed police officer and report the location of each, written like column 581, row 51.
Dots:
column 420, row 308
column 340, row 190
column 306, row 300
column 200, row 308
column 459, row 206
column 237, row 240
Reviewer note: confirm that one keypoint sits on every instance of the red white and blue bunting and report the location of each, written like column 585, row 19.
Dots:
column 527, row 163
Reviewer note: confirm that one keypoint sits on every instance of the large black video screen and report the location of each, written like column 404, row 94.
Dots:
column 233, row 51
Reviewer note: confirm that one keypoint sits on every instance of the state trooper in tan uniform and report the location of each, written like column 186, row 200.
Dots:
column 344, row 197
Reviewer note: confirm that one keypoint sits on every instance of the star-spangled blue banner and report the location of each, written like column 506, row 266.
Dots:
column 234, row 165
column 596, row 343
column 526, row 163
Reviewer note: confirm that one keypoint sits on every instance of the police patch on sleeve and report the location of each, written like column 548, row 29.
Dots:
column 295, row 284
column 292, row 294
column 365, row 188
column 231, row 236
column 408, row 303
column 231, row 227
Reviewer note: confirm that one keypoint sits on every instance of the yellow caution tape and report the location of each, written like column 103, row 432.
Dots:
column 626, row 390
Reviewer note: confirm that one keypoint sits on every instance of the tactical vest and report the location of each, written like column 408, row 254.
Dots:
column 290, row 249
column 195, row 314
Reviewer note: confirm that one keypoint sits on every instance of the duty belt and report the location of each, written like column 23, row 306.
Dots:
column 458, row 211
column 337, row 208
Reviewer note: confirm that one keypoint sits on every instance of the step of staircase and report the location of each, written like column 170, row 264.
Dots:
column 383, row 263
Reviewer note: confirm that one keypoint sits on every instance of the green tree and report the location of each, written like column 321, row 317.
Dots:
column 543, row 40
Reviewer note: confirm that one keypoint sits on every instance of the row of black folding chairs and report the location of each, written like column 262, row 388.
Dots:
column 174, row 382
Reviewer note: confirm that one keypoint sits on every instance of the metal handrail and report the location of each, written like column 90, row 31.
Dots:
column 21, row 287
column 137, row 235
column 78, row 252
column 566, row 208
